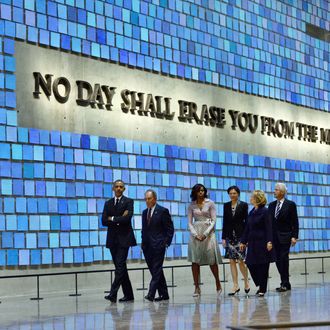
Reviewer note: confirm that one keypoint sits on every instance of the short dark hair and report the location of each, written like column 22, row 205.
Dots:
column 119, row 180
column 235, row 188
column 195, row 189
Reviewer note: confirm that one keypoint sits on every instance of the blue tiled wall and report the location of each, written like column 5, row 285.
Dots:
column 53, row 190
column 53, row 184
column 256, row 47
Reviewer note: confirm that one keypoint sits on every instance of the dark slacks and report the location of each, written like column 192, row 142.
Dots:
column 259, row 273
column 119, row 257
column 282, row 262
column 155, row 259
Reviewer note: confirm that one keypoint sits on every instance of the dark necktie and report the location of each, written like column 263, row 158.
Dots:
column 278, row 209
column 149, row 216
column 117, row 201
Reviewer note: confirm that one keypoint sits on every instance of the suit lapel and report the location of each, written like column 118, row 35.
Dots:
column 272, row 207
column 155, row 211
column 237, row 211
column 238, row 208
column 228, row 207
column 122, row 201
column 112, row 201
column 154, row 214
column 144, row 217
column 283, row 208
column 145, row 214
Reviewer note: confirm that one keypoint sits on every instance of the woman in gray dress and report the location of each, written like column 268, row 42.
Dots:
column 203, row 248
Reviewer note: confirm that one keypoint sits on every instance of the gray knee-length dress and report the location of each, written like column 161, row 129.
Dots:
column 202, row 221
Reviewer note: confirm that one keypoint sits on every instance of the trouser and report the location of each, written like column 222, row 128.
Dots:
column 282, row 262
column 155, row 259
column 119, row 257
column 259, row 273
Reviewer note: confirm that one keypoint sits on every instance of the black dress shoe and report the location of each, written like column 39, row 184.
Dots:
column 160, row 298
column 281, row 289
column 147, row 297
column 126, row 299
column 111, row 298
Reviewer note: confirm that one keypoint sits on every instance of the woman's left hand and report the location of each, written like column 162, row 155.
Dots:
column 269, row 246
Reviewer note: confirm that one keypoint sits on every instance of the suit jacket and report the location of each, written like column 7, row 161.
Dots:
column 159, row 233
column 286, row 225
column 234, row 223
column 120, row 231
column 257, row 233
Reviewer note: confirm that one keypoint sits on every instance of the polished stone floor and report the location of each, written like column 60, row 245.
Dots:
column 308, row 301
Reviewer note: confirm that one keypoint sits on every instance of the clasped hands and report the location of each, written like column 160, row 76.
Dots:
column 200, row 237
column 110, row 219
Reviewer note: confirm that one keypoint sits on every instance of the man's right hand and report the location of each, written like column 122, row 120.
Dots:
column 110, row 219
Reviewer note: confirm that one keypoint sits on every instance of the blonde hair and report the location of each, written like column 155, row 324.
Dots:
column 259, row 197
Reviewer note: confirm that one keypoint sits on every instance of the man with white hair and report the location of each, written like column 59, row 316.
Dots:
column 284, row 217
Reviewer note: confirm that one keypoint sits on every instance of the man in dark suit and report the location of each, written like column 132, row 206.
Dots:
column 283, row 213
column 117, row 215
column 157, row 234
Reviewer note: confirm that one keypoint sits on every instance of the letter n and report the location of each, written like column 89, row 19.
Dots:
column 39, row 81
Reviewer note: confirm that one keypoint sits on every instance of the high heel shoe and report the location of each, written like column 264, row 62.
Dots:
column 233, row 293
column 197, row 292
column 247, row 290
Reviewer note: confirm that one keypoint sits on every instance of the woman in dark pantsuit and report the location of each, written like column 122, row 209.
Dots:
column 257, row 237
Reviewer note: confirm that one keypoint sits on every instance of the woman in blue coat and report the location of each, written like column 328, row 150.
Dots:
column 257, row 237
